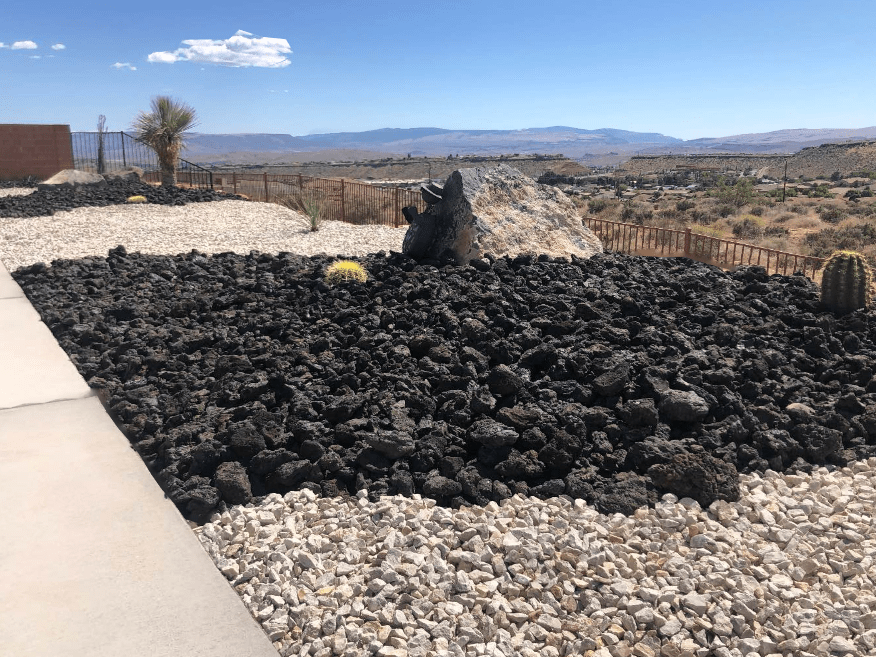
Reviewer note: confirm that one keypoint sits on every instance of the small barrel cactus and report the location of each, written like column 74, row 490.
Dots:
column 845, row 284
column 345, row 270
column 136, row 199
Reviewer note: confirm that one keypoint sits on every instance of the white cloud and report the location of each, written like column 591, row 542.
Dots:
column 58, row 46
column 241, row 50
column 124, row 65
column 35, row 57
column 24, row 45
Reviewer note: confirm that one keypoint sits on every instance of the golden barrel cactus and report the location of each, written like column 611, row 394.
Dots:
column 845, row 284
column 345, row 270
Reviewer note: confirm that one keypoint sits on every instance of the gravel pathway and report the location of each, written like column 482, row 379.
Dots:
column 787, row 570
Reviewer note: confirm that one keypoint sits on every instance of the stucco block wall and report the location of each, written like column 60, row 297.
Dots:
column 40, row 151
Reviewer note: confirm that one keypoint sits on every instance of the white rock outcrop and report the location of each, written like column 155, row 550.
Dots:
column 499, row 211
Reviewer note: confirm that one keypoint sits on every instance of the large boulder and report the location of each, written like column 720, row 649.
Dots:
column 72, row 178
column 128, row 174
column 499, row 211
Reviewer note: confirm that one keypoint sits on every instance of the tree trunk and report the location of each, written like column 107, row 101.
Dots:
column 168, row 175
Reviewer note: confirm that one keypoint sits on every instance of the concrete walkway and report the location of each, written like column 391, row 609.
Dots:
column 94, row 560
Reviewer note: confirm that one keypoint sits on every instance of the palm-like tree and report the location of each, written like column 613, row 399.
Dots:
column 163, row 129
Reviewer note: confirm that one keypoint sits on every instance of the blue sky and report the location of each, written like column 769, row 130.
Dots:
column 685, row 69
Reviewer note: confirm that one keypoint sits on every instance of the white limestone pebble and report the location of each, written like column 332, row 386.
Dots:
column 786, row 570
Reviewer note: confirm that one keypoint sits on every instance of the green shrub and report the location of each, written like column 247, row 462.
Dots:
column 725, row 211
column 820, row 191
column 685, row 205
column 738, row 194
column 310, row 207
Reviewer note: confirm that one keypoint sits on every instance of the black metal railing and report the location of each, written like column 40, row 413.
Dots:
column 114, row 151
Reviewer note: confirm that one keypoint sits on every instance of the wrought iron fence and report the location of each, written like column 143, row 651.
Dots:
column 114, row 151
column 651, row 240
column 339, row 200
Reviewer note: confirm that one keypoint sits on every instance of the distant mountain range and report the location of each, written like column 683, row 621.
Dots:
column 601, row 146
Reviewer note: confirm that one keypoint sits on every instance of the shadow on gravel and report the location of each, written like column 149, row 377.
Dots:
column 613, row 379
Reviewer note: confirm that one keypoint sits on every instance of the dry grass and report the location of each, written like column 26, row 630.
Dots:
column 762, row 222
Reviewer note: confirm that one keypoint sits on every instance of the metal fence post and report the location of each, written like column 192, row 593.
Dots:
column 124, row 162
column 234, row 180
column 343, row 208
column 266, row 186
column 687, row 242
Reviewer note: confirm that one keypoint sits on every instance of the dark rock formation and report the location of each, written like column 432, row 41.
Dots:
column 615, row 378
column 48, row 199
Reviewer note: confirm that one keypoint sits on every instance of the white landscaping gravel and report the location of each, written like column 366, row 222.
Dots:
column 214, row 227
column 786, row 571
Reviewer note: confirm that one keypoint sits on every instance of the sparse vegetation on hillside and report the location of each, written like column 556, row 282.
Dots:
column 816, row 218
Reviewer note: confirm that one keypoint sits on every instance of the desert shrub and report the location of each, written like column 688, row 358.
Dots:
column 831, row 215
column 835, row 176
column 738, row 194
column 596, row 205
column 636, row 213
column 725, row 210
column 758, row 210
column 854, row 194
column 702, row 217
column 782, row 218
column 776, row 231
column 790, row 192
column 828, row 240
column 310, row 207
column 862, row 210
column 685, row 205
column 708, row 231
column 820, row 191
column 748, row 227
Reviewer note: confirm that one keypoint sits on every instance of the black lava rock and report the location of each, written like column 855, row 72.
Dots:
column 615, row 379
column 45, row 202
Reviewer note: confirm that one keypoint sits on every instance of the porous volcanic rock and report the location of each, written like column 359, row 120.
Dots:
column 46, row 200
column 19, row 182
column 614, row 378
column 501, row 211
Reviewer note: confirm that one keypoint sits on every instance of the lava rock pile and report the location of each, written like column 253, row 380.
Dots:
column 46, row 202
column 614, row 379
column 23, row 182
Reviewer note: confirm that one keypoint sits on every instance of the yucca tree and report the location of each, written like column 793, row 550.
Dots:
column 163, row 129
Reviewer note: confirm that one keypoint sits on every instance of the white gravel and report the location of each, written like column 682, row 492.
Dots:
column 786, row 571
column 16, row 191
column 238, row 226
